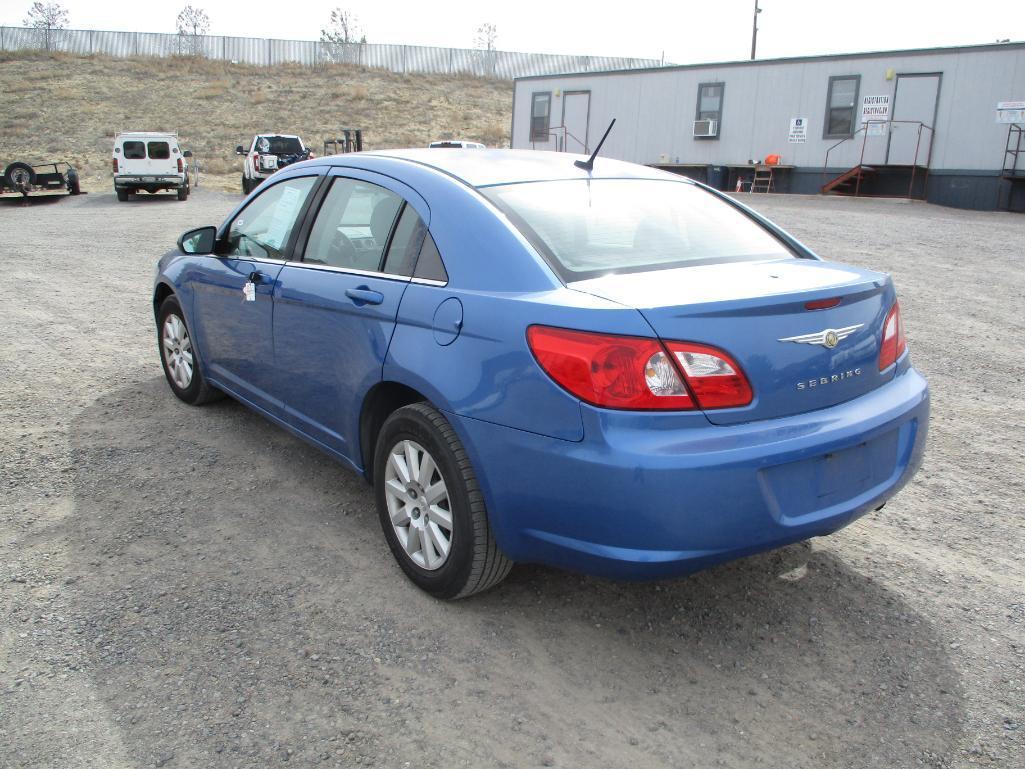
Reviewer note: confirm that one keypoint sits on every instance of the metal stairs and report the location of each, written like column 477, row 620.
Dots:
column 849, row 182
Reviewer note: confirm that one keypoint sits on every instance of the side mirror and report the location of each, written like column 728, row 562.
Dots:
column 187, row 154
column 200, row 241
column 239, row 150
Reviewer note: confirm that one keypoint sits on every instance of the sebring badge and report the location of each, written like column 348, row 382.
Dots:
column 828, row 338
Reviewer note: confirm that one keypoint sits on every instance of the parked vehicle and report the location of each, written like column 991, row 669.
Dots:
column 25, row 178
column 267, row 154
column 605, row 368
column 455, row 144
column 149, row 161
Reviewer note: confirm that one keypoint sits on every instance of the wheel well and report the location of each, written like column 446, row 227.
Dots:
column 380, row 402
column 162, row 292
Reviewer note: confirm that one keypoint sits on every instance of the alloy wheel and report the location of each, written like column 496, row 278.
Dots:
column 418, row 505
column 178, row 351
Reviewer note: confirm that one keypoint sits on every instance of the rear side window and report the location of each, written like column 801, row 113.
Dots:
column 352, row 226
column 429, row 266
column 134, row 151
column 405, row 243
column 588, row 228
column 158, row 150
column 263, row 227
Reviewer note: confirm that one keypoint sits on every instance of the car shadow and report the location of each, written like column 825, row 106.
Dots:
column 239, row 604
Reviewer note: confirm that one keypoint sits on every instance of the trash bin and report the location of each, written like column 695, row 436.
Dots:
column 718, row 176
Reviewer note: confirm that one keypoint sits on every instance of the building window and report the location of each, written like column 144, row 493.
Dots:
column 540, row 111
column 710, row 105
column 840, row 106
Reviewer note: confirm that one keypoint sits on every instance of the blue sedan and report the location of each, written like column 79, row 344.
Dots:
column 608, row 369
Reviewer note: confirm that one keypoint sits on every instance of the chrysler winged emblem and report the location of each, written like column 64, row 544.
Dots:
column 828, row 337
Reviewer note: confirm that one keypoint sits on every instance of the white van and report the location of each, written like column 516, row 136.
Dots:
column 151, row 162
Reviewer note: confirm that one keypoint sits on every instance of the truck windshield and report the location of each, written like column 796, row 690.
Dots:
column 586, row 228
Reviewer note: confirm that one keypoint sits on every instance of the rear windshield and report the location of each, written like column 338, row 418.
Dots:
column 279, row 145
column 159, row 150
column 135, row 151
column 586, row 228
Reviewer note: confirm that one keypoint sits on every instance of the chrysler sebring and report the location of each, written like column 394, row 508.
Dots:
column 599, row 367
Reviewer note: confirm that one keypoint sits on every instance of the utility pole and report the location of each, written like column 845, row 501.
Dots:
column 754, row 31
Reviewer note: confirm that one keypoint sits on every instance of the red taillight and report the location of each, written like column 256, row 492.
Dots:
column 626, row 372
column 894, row 343
column 115, row 164
column 180, row 166
column 822, row 304
column 713, row 376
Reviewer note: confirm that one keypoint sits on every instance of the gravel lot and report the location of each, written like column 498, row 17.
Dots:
column 183, row 587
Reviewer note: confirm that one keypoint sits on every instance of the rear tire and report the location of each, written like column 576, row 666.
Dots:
column 179, row 356
column 183, row 193
column 246, row 189
column 425, row 487
column 122, row 194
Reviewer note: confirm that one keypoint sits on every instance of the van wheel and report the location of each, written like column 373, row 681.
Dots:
column 431, row 507
column 122, row 194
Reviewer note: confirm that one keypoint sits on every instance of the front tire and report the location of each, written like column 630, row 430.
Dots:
column 179, row 357
column 431, row 507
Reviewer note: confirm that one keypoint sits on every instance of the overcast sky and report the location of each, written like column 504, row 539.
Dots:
column 684, row 31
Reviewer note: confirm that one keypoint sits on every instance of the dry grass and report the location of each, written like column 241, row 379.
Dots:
column 65, row 107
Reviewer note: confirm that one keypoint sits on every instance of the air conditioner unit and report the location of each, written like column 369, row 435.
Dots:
column 705, row 127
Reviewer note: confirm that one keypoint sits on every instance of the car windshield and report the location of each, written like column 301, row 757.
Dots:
column 279, row 145
column 586, row 228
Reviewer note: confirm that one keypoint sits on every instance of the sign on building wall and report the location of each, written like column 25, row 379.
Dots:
column 876, row 128
column 875, row 108
column 798, row 130
column 1011, row 112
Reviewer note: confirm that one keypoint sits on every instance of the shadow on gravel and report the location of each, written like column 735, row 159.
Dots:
column 21, row 201
column 237, row 606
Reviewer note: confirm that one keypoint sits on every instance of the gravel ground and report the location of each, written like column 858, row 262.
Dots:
column 183, row 587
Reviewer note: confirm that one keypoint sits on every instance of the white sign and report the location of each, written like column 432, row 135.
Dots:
column 798, row 130
column 1011, row 112
column 875, row 108
column 876, row 128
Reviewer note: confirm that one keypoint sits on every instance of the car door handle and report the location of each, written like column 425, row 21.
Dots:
column 257, row 277
column 364, row 295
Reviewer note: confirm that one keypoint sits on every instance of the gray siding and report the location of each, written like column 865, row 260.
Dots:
column 654, row 109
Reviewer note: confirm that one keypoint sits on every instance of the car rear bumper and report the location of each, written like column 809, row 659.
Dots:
column 147, row 180
column 648, row 494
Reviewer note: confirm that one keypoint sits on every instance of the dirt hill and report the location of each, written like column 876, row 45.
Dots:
column 57, row 106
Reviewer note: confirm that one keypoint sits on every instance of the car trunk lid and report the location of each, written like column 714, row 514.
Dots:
column 796, row 359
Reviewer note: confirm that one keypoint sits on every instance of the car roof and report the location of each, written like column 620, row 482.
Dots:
column 146, row 134
column 483, row 168
column 280, row 136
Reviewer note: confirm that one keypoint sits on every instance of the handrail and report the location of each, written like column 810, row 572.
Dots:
column 864, row 141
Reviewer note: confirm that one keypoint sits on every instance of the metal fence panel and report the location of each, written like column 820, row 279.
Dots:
column 261, row 52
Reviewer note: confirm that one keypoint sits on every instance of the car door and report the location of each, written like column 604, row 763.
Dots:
column 233, row 295
column 334, row 311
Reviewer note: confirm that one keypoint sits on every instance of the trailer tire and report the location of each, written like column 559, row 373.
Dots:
column 74, row 184
column 18, row 174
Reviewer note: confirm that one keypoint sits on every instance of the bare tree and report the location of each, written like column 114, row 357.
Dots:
column 484, row 38
column 192, row 23
column 343, row 38
column 46, row 17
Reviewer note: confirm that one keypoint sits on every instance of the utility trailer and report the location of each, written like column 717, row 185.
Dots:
column 25, row 178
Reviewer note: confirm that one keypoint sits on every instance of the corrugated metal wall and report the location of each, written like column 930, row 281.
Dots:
column 397, row 58
column 655, row 110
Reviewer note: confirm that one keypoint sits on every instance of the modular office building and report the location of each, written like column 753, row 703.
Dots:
column 942, row 124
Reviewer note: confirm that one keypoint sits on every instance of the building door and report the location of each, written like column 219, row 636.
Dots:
column 914, row 101
column 576, row 108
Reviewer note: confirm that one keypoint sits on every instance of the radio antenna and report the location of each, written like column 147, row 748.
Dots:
column 588, row 165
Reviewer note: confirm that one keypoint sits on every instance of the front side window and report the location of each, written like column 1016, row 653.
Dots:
column 591, row 228
column 135, row 151
column 263, row 227
column 158, row 150
column 841, row 101
column 353, row 226
column 540, row 111
column 710, row 104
